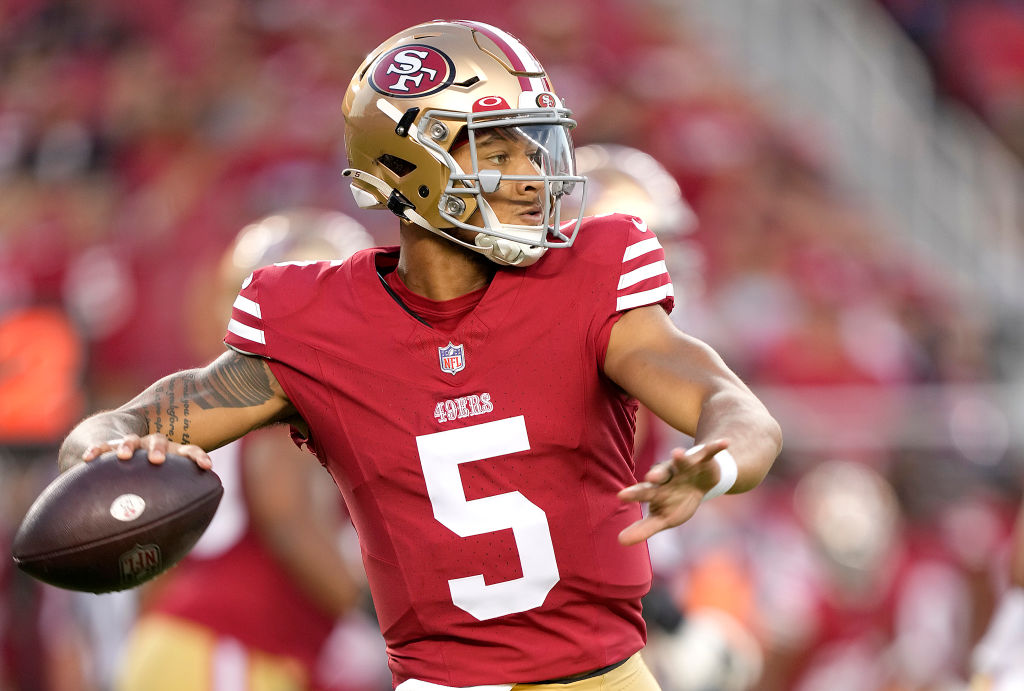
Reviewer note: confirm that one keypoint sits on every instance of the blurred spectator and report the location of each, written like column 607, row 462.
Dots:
column 976, row 49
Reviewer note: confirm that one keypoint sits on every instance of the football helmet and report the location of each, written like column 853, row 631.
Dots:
column 294, row 234
column 622, row 179
column 852, row 514
column 435, row 87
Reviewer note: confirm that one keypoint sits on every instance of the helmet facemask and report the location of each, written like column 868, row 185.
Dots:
column 543, row 137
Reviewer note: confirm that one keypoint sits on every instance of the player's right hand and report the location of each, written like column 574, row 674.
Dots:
column 672, row 490
column 157, row 446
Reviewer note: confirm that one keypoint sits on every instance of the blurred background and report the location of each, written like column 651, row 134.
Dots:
column 854, row 172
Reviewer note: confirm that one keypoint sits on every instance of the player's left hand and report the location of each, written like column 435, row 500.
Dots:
column 673, row 490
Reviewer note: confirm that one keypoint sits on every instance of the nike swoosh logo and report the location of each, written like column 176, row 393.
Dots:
column 640, row 225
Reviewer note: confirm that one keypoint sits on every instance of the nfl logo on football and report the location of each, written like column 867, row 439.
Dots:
column 138, row 562
column 453, row 358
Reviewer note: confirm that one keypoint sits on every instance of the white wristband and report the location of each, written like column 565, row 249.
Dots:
column 727, row 472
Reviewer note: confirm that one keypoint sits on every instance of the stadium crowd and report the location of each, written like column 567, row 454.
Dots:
column 976, row 50
column 137, row 137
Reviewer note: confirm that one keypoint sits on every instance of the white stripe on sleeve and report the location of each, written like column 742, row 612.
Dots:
column 246, row 332
column 248, row 306
column 642, row 274
column 646, row 297
column 642, row 247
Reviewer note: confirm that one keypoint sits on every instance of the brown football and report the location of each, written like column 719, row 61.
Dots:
column 110, row 524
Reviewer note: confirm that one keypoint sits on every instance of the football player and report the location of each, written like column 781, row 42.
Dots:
column 260, row 593
column 473, row 390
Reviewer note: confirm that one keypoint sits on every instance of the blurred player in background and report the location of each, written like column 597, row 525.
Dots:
column 998, row 659
column 621, row 179
column 253, row 604
column 709, row 648
column 499, row 337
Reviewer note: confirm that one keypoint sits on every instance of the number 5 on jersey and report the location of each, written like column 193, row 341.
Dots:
column 440, row 456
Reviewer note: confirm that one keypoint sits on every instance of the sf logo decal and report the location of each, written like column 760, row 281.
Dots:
column 412, row 70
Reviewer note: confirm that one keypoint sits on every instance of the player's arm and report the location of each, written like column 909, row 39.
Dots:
column 688, row 385
column 187, row 413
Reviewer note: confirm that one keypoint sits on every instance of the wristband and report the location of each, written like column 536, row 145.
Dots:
column 727, row 473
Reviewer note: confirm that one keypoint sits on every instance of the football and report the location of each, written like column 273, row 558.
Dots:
column 112, row 524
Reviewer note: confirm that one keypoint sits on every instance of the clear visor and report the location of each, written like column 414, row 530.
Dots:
column 519, row 176
column 535, row 151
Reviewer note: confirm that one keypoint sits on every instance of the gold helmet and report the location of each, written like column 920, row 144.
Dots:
column 433, row 87
column 293, row 235
column 622, row 179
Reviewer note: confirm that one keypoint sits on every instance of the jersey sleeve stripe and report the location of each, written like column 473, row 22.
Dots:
column 248, row 306
column 246, row 332
column 640, row 248
column 642, row 274
column 646, row 297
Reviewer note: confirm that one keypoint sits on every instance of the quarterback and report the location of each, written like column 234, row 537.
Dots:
column 473, row 391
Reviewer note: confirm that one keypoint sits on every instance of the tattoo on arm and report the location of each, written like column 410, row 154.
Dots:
column 169, row 407
column 238, row 382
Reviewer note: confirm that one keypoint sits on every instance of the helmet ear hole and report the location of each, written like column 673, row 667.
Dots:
column 399, row 166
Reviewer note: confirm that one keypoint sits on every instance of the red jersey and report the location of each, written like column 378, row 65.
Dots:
column 480, row 465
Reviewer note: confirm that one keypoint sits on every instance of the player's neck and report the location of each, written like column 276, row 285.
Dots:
column 438, row 269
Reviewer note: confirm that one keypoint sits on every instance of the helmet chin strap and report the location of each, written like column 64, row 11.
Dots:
column 507, row 252
column 502, row 250
column 498, row 250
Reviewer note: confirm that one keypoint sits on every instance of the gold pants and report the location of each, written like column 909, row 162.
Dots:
column 168, row 654
column 631, row 676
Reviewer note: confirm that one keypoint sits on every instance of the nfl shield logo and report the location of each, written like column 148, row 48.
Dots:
column 453, row 358
column 139, row 563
